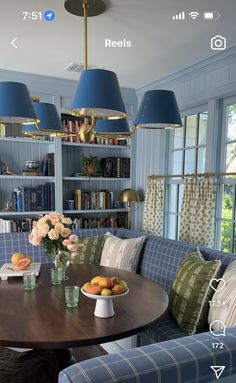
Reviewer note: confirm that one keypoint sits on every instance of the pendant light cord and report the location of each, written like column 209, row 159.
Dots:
column 86, row 7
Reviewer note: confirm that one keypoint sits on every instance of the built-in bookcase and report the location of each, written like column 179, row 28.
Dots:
column 68, row 159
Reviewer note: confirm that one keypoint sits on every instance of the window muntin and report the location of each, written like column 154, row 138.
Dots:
column 226, row 220
column 188, row 155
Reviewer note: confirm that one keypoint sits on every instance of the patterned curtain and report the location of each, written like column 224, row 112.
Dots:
column 198, row 211
column 154, row 207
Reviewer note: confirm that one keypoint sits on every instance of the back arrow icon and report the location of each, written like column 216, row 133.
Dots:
column 13, row 41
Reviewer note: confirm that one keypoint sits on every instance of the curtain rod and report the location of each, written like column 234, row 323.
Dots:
column 191, row 175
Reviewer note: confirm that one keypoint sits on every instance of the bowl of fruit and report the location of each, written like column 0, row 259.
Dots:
column 104, row 290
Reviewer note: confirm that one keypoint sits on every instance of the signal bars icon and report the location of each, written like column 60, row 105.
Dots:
column 180, row 16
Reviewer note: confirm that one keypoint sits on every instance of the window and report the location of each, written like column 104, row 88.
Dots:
column 188, row 155
column 226, row 228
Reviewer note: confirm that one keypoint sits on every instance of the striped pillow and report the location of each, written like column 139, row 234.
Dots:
column 121, row 253
column 226, row 292
column 190, row 291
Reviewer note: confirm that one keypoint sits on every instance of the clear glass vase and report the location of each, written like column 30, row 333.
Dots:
column 62, row 259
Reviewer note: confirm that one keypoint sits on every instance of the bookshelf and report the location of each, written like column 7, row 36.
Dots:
column 72, row 154
column 68, row 157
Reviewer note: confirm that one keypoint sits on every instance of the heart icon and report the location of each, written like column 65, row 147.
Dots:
column 217, row 289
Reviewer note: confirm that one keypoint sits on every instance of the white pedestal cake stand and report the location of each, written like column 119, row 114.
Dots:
column 104, row 304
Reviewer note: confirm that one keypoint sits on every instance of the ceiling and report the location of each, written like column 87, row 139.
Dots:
column 160, row 46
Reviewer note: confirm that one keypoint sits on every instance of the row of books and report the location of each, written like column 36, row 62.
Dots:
column 119, row 220
column 39, row 198
column 73, row 125
column 14, row 226
column 17, row 226
column 93, row 200
column 117, row 167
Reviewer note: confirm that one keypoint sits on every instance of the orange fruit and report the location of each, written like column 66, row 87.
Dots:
column 23, row 264
column 16, row 257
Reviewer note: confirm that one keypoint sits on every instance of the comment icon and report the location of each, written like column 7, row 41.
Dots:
column 217, row 328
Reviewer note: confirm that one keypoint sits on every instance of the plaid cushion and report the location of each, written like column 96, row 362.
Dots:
column 186, row 360
column 125, row 233
column 167, row 328
column 160, row 259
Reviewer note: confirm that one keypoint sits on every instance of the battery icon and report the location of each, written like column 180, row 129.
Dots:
column 211, row 15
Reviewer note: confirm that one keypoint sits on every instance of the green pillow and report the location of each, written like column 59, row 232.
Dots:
column 190, row 291
column 91, row 250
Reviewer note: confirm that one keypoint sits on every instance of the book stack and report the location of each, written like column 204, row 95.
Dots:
column 39, row 198
column 48, row 165
column 115, row 167
column 93, row 200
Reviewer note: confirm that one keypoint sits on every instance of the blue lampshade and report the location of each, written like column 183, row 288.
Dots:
column 158, row 109
column 112, row 128
column 16, row 105
column 98, row 92
column 50, row 123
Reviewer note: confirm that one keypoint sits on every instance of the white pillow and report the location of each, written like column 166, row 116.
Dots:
column 227, row 293
column 121, row 253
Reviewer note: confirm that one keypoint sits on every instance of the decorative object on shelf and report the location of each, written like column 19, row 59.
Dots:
column 50, row 122
column 69, row 204
column 31, row 173
column 4, row 170
column 53, row 233
column 77, row 174
column 16, row 106
column 98, row 95
column 129, row 196
column 32, row 164
column 158, row 108
column 91, row 165
column 9, row 206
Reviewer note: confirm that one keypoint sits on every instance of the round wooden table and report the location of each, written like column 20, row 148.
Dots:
column 40, row 319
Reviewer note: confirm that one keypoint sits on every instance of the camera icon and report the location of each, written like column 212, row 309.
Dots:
column 218, row 43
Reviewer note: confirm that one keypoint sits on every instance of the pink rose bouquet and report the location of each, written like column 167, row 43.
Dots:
column 51, row 231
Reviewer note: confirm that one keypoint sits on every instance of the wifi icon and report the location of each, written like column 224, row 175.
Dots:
column 194, row 15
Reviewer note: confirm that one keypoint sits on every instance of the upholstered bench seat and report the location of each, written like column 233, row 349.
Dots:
column 167, row 328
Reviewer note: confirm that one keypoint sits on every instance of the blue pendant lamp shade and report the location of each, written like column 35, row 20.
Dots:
column 16, row 105
column 50, row 123
column 158, row 109
column 113, row 129
column 98, row 92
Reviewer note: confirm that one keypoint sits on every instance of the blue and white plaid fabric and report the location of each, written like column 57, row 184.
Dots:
column 184, row 360
column 13, row 242
column 165, row 329
column 160, row 259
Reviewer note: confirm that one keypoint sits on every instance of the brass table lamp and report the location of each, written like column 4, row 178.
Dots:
column 129, row 196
